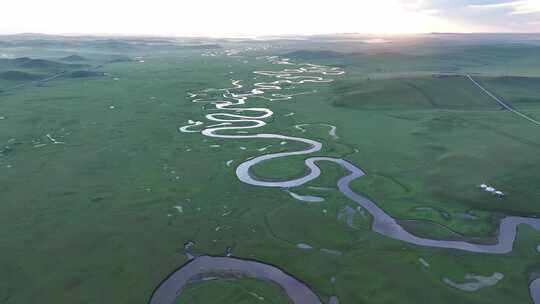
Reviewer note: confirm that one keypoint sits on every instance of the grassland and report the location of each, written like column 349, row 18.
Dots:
column 93, row 220
column 242, row 291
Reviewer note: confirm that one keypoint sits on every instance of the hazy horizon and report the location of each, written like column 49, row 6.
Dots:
column 268, row 36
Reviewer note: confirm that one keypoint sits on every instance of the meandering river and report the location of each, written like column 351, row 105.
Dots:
column 208, row 266
column 231, row 120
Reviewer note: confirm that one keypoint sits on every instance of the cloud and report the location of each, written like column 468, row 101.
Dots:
column 486, row 15
column 516, row 7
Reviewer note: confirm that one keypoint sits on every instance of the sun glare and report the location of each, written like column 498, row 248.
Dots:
column 220, row 18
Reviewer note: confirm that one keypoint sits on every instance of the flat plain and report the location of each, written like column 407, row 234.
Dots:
column 100, row 190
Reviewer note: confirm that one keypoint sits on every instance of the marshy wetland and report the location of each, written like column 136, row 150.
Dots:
column 314, row 171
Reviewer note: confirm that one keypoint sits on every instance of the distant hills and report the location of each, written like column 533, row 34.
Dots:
column 74, row 58
column 84, row 74
column 30, row 69
column 119, row 44
column 41, row 64
column 19, row 75
column 37, row 63
column 309, row 54
column 208, row 46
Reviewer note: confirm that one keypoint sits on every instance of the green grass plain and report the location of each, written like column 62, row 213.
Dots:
column 93, row 220
column 241, row 291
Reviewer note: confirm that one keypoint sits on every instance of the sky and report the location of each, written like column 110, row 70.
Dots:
column 270, row 17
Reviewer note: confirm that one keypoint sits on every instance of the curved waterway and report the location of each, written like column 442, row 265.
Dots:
column 382, row 223
column 208, row 266
column 534, row 289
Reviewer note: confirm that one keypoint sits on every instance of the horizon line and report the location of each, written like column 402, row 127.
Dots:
column 256, row 36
